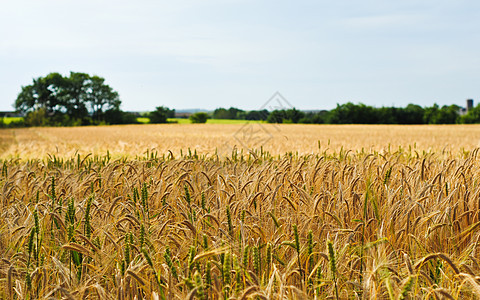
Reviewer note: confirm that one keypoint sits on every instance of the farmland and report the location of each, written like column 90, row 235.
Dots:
column 187, row 211
column 135, row 140
column 8, row 120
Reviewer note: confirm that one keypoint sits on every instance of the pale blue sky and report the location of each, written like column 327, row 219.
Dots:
column 212, row 53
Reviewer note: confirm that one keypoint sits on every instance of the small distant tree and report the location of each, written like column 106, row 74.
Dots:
column 199, row 117
column 161, row 114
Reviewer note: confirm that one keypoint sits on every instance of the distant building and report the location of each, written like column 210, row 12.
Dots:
column 464, row 110
column 469, row 104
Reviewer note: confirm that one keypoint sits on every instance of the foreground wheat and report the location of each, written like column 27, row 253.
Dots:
column 391, row 226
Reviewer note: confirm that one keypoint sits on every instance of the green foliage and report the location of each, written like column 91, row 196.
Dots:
column 226, row 269
column 187, row 195
column 407, row 287
column 350, row 113
column 237, row 114
column 444, row 115
column 199, row 117
column 37, row 117
column 229, row 221
column 412, row 114
column 161, row 114
column 255, row 115
column 87, row 225
column 171, row 266
column 256, row 260
column 333, row 265
column 285, row 116
column 231, row 114
column 310, row 250
column 117, row 116
column 473, row 116
column 200, row 286
column 4, row 169
column 126, row 252
column 78, row 99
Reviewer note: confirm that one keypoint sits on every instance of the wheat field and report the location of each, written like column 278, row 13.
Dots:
column 188, row 212
column 135, row 140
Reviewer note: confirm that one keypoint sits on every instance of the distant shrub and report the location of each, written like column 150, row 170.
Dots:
column 199, row 117
column 161, row 114
column 37, row 117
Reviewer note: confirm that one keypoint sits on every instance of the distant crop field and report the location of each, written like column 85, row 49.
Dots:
column 193, row 212
column 133, row 140
column 8, row 120
column 179, row 120
column 213, row 121
column 226, row 121
column 143, row 120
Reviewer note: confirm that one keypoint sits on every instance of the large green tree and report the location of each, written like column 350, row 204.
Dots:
column 79, row 96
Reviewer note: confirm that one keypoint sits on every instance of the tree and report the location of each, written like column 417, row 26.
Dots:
column 69, row 100
column 199, row 117
column 45, row 92
column 74, row 95
column 412, row 114
column 100, row 97
column 257, row 115
column 232, row 113
column 473, row 116
column 161, row 114
column 294, row 115
column 36, row 118
column 220, row 113
column 448, row 114
column 286, row 116
column 445, row 115
column 117, row 116
column 350, row 113
column 276, row 116
column 430, row 115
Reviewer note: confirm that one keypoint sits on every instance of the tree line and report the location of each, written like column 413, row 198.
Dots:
column 350, row 113
column 83, row 99
column 79, row 99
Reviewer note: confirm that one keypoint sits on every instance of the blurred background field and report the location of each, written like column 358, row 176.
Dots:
column 133, row 140
column 8, row 120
